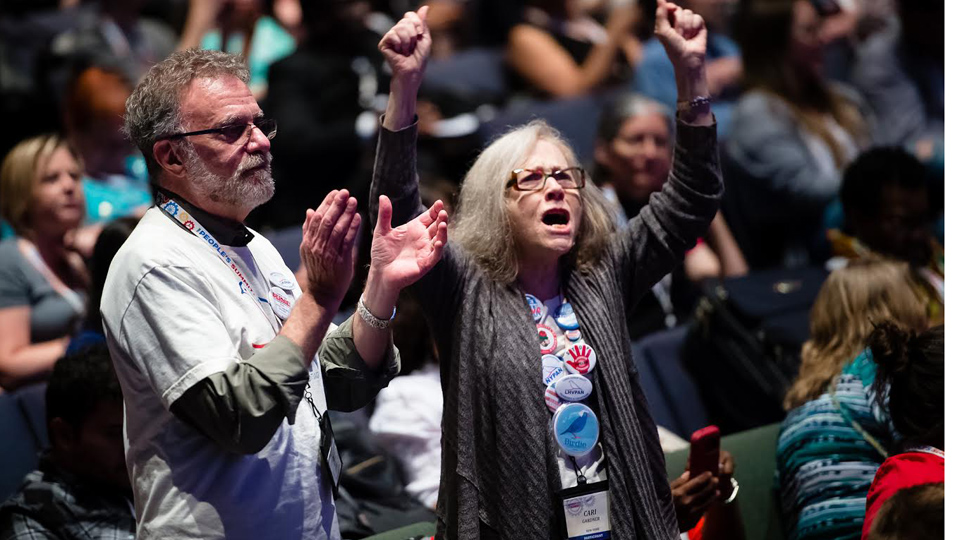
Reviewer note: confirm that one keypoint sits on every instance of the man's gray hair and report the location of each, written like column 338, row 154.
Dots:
column 153, row 109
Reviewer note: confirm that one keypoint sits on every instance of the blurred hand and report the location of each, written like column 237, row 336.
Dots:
column 623, row 20
column 683, row 35
column 206, row 11
column 400, row 256
column 406, row 48
column 692, row 497
column 327, row 248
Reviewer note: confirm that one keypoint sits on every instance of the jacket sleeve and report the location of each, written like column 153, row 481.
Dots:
column 241, row 407
column 657, row 239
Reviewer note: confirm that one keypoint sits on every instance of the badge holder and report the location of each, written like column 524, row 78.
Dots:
column 329, row 457
column 586, row 511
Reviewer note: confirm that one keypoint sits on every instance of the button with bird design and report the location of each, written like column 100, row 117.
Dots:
column 576, row 428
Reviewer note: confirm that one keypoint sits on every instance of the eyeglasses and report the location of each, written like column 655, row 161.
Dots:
column 234, row 132
column 535, row 179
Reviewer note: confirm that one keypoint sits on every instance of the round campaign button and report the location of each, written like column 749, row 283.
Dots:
column 580, row 359
column 281, row 302
column 552, row 399
column 565, row 317
column 573, row 335
column 552, row 368
column 573, row 387
column 280, row 280
column 576, row 429
column 548, row 339
column 537, row 310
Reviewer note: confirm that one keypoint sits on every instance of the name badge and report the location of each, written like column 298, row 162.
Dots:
column 586, row 511
column 328, row 457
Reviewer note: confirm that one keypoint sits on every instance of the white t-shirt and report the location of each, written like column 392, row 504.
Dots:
column 175, row 313
column 407, row 423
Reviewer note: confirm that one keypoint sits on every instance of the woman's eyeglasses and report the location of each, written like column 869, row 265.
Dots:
column 535, row 179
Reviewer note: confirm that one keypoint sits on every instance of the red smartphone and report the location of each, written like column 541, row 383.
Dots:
column 705, row 451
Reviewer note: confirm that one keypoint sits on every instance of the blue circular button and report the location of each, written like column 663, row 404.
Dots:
column 576, row 429
column 565, row 317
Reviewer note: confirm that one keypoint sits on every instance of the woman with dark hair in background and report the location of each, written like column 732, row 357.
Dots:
column 910, row 387
column 43, row 282
column 560, row 51
column 791, row 137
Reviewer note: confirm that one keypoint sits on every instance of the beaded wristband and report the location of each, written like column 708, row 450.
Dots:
column 371, row 319
column 687, row 106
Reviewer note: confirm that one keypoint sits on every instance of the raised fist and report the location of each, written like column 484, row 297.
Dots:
column 684, row 36
column 406, row 47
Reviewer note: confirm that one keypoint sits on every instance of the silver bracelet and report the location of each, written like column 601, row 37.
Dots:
column 371, row 319
column 736, row 489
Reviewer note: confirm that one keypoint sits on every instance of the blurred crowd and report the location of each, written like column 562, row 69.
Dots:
column 830, row 115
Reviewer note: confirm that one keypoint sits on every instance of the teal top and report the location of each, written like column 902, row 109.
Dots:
column 118, row 195
column 824, row 464
column 270, row 43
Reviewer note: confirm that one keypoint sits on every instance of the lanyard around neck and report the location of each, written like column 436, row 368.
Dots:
column 178, row 213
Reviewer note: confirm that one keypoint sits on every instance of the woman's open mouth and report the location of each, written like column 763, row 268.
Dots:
column 557, row 218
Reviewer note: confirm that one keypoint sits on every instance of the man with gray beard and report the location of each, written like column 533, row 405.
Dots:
column 226, row 431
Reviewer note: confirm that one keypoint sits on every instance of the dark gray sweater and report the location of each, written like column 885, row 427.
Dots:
column 499, row 470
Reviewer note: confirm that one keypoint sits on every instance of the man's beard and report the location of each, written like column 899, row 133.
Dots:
column 242, row 189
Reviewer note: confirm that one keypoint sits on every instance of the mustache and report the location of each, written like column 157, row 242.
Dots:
column 253, row 161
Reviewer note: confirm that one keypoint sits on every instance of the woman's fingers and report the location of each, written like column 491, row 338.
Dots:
column 384, row 215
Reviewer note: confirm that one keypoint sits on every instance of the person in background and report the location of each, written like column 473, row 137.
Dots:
column 244, row 27
column 910, row 387
column 707, row 507
column 632, row 158
column 791, row 135
column 899, row 71
column 324, row 95
column 887, row 214
column 653, row 76
column 112, row 33
column 43, row 281
column 532, row 237
column 81, row 489
column 113, row 235
column 115, row 182
column 558, row 51
column 835, row 435
column 408, row 416
column 913, row 513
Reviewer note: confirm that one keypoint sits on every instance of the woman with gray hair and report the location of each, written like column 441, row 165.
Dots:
column 632, row 157
column 546, row 433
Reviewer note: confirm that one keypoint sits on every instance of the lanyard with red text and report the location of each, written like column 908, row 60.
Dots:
column 181, row 215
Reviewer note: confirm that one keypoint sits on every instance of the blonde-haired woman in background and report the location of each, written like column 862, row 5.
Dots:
column 835, row 435
column 42, row 281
